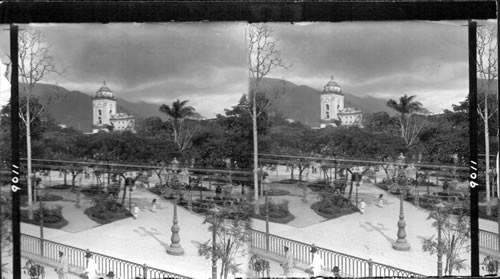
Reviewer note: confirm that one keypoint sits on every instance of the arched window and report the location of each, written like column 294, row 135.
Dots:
column 327, row 115
column 100, row 120
column 100, row 112
column 327, row 107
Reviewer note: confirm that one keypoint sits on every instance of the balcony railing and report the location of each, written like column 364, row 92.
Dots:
column 349, row 265
column 76, row 258
column 488, row 240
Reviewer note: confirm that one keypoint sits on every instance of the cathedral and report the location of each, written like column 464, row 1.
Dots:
column 333, row 112
column 105, row 115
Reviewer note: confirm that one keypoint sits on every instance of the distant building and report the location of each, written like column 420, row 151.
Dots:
column 333, row 112
column 105, row 115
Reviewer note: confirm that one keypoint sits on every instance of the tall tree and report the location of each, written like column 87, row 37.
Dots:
column 263, row 57
column 35, row 63
column 453, row 221
column 232, row 236
column 487, row 68
column 183, row 130
column 410, row 124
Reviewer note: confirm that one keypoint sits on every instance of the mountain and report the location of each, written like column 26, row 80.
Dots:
column 74, row 108
column 302, row 103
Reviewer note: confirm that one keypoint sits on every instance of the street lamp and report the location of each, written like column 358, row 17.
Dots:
column 440, row 207
column 214, row 211
column 175, row 247
column 401, row 244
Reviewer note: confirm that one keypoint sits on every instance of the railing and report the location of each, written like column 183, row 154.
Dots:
column 349, row 265
column 488, row 240
column 76, row 258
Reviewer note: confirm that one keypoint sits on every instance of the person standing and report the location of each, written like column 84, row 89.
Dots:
column 381, row 200
column 63, row 266
column 135, row 211
column 91, row 271
column 336, row 272
column 317, row 262
column 153, row 206
column 288, row 264
column 362, row 206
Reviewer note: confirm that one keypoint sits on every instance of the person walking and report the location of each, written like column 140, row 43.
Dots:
column 91, row 272
column 135, row 211
column 381, row 200
column 317, row 262
column 153, row 205
column 362, row 206
column 63, row 266
column 288, row 264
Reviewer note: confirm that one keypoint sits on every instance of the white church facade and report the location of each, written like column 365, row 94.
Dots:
column 105, row 116
column 333, row 112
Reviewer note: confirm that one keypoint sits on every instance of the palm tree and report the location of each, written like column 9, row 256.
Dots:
column 177, row 113
column 406, row 107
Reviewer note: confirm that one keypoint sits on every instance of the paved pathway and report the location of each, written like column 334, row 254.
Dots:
column 367, row 236
column 143, row 240
column 371, row 235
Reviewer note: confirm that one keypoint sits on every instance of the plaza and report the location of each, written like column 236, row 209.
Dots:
column 144, row 240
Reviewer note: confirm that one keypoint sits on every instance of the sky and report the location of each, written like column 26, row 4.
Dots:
column 206, row 63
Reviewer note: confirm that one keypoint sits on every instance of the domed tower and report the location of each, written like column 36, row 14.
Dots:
column 332, row 101
column 104, row 107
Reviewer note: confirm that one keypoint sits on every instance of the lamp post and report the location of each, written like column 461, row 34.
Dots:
column 401, row 244
column 266, row 187
column 175, row 247
column 214, row 211
column 440, row 206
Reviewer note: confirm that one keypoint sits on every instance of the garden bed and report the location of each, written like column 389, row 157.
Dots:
column 106, row 216
column 277, row 192
column 52, row 218
column 92, row 191
column 289, row 181
column 332, row 213
column 60, row 187
column 278, row 212
column 333, row 206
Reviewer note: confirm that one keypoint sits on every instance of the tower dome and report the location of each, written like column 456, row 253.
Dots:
column 104, row 92
column 332, row 87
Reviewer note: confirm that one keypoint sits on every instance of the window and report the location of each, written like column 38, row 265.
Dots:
column 100, row 120
column 327, row 107
column 327, row 115
column 100, row 112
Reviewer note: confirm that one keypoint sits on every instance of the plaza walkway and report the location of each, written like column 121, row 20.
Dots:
column 368, row 236
column 144, row 240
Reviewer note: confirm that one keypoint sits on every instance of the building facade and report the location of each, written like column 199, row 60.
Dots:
column 333, row 112
column 105, row 116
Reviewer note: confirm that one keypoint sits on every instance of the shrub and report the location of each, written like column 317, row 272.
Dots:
column 332, row 205
column 276, row 210
column 52, row 217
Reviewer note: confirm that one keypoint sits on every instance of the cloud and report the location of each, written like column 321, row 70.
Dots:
column 206, row 62
column 381, row 59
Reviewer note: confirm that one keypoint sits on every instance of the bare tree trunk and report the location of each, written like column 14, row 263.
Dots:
column 28, row 153
column 487, row 154
column 255, row 153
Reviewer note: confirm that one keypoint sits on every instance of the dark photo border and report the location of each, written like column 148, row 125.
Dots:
column 19, row 12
